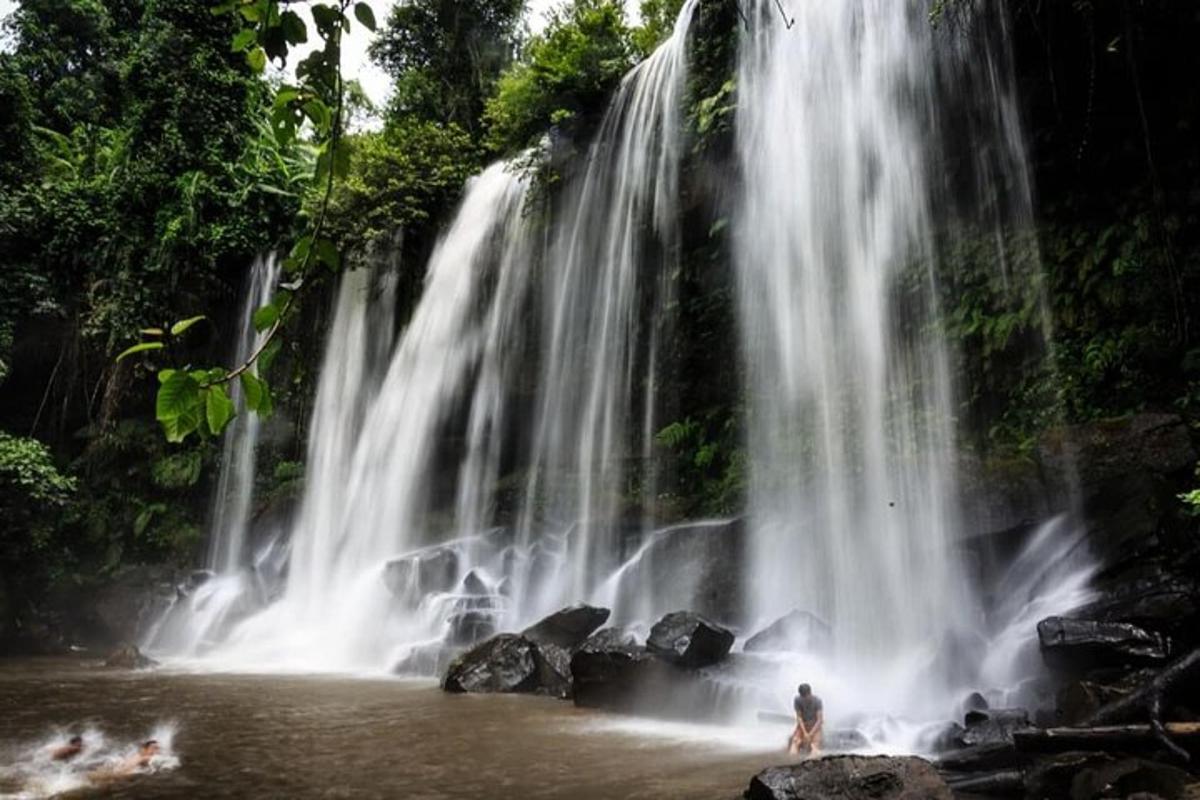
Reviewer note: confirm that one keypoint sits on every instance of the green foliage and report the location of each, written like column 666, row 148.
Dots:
column 29, row 477
column 658, row 20
column 405, row 176
column 1191, row 502
column 444, row 56
column 708, row 467
column 177, row 470
column 565, row 78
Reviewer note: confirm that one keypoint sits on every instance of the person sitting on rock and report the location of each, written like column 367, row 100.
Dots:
column 810, row 719
column 68, row 751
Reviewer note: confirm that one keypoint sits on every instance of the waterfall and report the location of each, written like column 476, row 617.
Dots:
column 596, row 344
column 492, row 464
column 235, row 486
column 226, row 590
column 373, row 450
column 383, row 562
column 854, row 505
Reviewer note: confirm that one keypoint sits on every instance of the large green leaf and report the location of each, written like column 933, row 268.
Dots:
column 258, row 394
column 265, row 317
column 179, row 406
column 218, row 408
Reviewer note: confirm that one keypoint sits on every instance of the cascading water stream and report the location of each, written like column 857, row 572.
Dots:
column 851, row 430
column 200, row 616
column 593, row 341
column 372, row 456
column 235, row 486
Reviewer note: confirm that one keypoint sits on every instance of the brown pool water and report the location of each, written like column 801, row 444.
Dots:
column 267, row 736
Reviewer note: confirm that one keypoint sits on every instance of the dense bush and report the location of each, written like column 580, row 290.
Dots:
column 565, row 77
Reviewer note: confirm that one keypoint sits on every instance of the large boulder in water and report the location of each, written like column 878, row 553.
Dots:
column 569, row 627
column 510, row 663
column 689, row 640
column 1084, row 644
column 612, row 671
column 797, row 631
column 851, row 778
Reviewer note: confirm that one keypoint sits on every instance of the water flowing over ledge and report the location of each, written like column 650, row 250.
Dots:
column 537, row 351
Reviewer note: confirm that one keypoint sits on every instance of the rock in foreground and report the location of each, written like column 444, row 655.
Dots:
column 569, row 627
column 851, row 778
column 509, row 663
column 689, row 640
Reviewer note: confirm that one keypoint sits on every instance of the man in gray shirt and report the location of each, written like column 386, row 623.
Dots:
column 810, row 719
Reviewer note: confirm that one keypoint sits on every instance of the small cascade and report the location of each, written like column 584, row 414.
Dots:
column 227, row 588
column 598, row 352
column 373, row 453
column 235, row 486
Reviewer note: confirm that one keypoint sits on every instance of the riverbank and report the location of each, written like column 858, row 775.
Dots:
column 321, row 736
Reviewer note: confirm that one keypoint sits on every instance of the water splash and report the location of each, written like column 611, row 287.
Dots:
column 28, row 771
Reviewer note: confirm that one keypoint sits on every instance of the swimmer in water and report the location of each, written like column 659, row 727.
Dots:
column 131, row 764
column 140, row 759
column 68, row 751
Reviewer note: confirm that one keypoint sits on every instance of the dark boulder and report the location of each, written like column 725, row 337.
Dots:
column 503, row 663
column 569, row 627
column 1086, row 644
column 1078, row 700
column 129, row 657
column 974, row 702
column 1149, row 594
column 554, row 670
column 797, row 631
column 993, row 726
column 851, row 778
column 605, row 670
column 508, row 663
column 940, row 737
column 689, row 640
column 612, row 671
column 1093, row 776
column 474, row 585
column 982, row 758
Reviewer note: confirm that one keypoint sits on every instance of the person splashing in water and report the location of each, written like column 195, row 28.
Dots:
column 810, row 719
column 129, row 765
column 68, row 751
